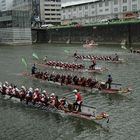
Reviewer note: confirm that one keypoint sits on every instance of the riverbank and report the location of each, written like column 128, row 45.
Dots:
column 102, row 34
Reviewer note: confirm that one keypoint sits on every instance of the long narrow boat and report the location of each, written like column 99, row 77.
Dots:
column 116, row 89
column 97, row 69
column 90, row 45
column 100, row 58
column 87, row 112
column 134, row 51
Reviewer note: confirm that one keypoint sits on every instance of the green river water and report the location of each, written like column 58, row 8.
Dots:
column 18, row 122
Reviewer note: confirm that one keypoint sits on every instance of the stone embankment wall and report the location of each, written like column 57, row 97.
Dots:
column 103, row 34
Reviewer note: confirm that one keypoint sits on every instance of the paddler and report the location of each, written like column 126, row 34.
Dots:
column 75, row 54
column 109, row 81
column 45, row 58
column 78, row 100
column 116, row 58
column 29, row 95
column 33, row 70
column 93, row 64
column 36, row 96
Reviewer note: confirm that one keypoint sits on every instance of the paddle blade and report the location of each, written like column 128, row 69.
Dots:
column 24, row 62
column 35, row 56
column 66, row 51
column 123, row 47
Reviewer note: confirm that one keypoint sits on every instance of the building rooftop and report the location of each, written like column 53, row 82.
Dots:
column 67, row 4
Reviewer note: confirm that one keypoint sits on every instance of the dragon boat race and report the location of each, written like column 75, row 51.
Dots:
column 19, row 119
column 69, row 69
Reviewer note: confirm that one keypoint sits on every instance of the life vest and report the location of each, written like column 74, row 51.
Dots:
column 78, row 97
column 36, row 95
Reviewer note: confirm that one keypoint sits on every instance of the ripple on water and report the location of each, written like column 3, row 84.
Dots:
column 19, row 122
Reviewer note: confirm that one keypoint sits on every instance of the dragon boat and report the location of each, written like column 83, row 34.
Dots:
column 87, row 112
column 134, row 51
column 109, row 59
column 96, row 69
column 96, row 87
column 90, row 45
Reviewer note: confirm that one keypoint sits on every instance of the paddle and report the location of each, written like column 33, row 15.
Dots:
column 24, row 62
column 35, row 56
column 116, row 84
column 66, row 51
column 123, row 47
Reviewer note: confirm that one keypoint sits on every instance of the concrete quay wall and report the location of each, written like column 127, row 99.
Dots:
column 103, row 34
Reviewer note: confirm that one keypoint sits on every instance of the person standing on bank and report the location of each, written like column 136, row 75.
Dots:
column 109, row 81
column 33, row 70
column 78, row 100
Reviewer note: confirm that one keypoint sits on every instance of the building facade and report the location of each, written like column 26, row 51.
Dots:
column 99, row 10
column 50, row 11
column 5, row 5
column 15, row 24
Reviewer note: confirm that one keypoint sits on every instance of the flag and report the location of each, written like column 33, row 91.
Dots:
column 35, row 56
column 24, row 62
column 123, row 47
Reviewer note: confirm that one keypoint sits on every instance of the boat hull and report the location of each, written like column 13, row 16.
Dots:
column 96, row 70
column 89, row 45
column 121, row 91
column 55, row 110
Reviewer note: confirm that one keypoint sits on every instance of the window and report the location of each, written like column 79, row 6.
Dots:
column 124, row 8
column 80, row 14
column 100, row 4
column 86, row 6
column 74, row 9
column 93, row 12
column 47, row 14
column 134, row 0
column 134, row 7
column 86, row 14
column 80, row 8
column 115, row 2
column 115, row 9
column 106, row 3
column 124, row 1
column 52, row 9
column 92, row 6
column 47, row 10
column 100, row 10
column 107, row 9
column 74, row 16
column 47, row 18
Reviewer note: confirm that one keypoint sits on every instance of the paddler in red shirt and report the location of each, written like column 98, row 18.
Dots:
column 78, row 100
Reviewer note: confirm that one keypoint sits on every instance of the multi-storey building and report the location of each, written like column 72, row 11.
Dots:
column 99, row 10
column 50, row 11
column 5, row 5
column 15, row 23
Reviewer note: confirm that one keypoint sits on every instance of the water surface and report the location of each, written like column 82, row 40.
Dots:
column 19, row 122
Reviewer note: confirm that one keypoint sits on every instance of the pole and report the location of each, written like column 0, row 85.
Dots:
column 129, row 36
